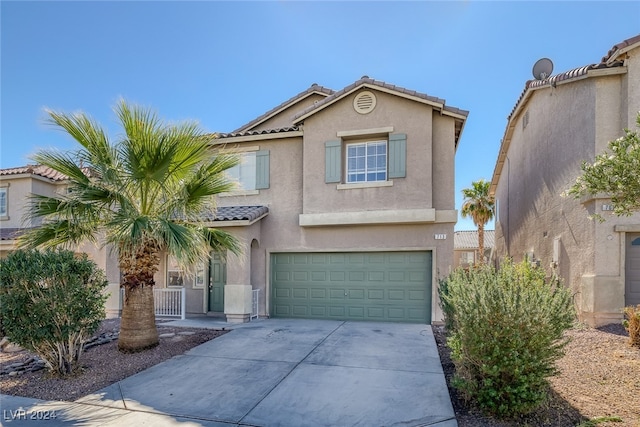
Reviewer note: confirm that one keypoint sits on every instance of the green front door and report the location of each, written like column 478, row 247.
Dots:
column 374, row 286
column 217, row 280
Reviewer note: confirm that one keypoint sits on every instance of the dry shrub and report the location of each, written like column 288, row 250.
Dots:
column 632, row 324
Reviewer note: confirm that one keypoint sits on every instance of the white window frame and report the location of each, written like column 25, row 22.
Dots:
column 174, row 272
column 349, row 171
column 200, row 277
column 4, row 201
column 244, row 173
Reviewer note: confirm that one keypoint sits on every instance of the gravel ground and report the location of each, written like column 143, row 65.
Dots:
column 599, row 379
column 103, row 365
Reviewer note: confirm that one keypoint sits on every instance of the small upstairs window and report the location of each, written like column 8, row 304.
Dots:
column 244, row 173
column 4, row 212
column 367, row 162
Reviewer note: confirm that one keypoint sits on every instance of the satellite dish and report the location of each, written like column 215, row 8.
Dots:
column 542, row 68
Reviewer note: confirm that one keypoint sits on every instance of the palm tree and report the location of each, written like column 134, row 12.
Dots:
column 141, row 196
column 479, row 205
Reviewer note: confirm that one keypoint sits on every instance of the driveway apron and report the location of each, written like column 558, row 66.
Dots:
column 281, row 372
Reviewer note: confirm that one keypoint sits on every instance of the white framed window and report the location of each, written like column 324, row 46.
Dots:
column 366, row 161
column 467, row 257
column 200, row 277
column 175, row 273
column 4, row 212
column 245, row 172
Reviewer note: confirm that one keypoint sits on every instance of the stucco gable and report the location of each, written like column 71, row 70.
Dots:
column 366, row 82
column 314, row 89
column 377, row 85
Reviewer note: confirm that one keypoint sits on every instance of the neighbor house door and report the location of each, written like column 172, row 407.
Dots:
column 632, row 270
column 217, row 280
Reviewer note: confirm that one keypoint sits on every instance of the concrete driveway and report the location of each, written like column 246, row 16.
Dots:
column 275, row 372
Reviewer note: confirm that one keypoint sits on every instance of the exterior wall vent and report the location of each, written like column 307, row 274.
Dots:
column 364, row 102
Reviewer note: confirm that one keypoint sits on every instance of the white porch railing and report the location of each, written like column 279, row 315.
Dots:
column 254, row 304
column 167, row 302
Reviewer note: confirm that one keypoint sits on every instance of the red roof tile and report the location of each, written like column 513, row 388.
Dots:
column 39, row 170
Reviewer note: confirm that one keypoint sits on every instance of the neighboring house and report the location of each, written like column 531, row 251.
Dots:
column 556, row 124
column 345, row 209
column 465, row 247
column 16, row 184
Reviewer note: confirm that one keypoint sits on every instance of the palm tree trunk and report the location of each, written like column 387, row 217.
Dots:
column 138, row 324
column 481, row 244
column 138, row 330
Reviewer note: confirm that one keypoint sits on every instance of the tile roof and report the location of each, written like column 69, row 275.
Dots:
column 38, row 170
column 381, row 84
column 237, row 213
column 257, row 132
column 619, row 49
column 314, row 88
column 10, row 233
column 469, row 239
column 610, row 60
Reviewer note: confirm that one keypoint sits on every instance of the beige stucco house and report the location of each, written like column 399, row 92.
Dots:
column 556, row 124
column 466, row 246
column 344, row 206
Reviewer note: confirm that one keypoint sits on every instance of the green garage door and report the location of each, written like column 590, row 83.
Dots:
column 375, row 286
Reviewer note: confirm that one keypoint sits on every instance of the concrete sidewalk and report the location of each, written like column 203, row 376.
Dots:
column 275, row 372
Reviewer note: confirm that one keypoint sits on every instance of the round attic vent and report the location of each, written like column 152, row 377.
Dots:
column 364, row 102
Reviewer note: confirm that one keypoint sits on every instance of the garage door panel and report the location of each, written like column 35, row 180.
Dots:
column 318, row 276
column 318, row 293
column 356, row 276
column 396, row 294
column 358, row 294
column 377, row 286
column 336, row 276
column 300, row 293
column 336, row 294
column 375, row 294
column 301, row 310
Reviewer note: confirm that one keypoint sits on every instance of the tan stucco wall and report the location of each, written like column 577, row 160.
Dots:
column 567, row 125
column 411, row 118
column 19, row 187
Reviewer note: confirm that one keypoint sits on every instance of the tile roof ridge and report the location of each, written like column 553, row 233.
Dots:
column 314, row 88
column 221, row 135
column 382, row 84
column 614, row 51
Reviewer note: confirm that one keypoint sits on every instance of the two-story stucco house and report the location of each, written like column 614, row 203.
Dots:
column 345, row 208
column 556, row 124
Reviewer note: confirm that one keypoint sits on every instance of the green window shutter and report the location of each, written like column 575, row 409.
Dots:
column 397, row 155
column 262, row 169
column 333, row 161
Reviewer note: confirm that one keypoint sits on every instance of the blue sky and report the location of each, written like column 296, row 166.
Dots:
column 225, row 63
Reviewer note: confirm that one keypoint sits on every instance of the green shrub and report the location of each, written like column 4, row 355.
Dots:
column 51, row 302
column 632, row 324
column 506, row 333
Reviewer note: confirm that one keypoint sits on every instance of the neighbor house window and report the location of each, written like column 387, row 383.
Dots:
column 367, row 161
column 245, row 172
column 467, row 258
column 175, row 274
column 3, row 202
